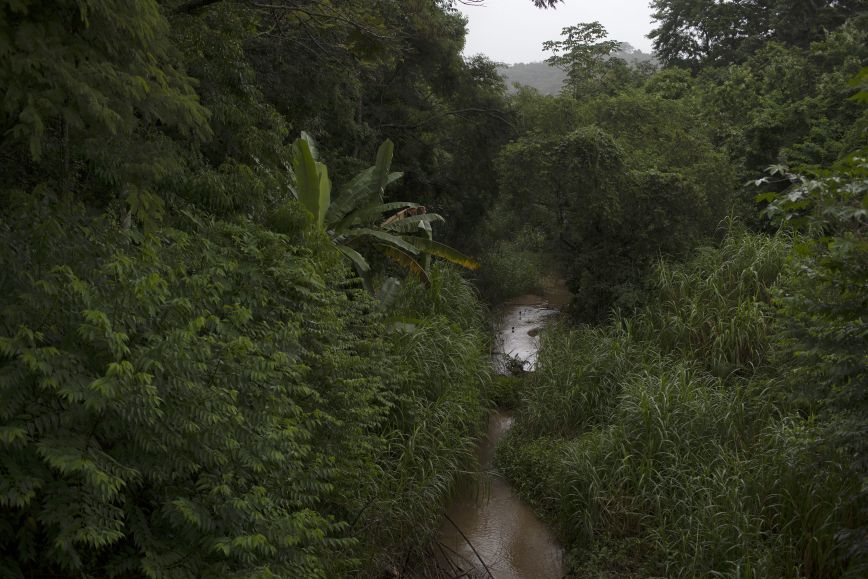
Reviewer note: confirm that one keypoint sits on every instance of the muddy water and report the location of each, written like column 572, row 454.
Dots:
column 488, row 522
column 518, row 336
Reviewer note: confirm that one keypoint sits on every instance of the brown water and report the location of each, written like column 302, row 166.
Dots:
column 488, row 522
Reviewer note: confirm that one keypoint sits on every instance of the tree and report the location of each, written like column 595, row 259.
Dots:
column 821, row 309
column 586, row 56
column 694, row 33
column 95, row 86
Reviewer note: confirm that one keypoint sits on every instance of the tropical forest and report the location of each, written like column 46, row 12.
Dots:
column 305, row 289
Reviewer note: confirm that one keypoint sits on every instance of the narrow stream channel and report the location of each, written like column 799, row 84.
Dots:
column 488, row 522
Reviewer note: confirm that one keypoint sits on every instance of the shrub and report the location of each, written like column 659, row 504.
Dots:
column 214, row 399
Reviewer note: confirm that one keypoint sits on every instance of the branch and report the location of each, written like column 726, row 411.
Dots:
column 466, row 540
column 537, row 3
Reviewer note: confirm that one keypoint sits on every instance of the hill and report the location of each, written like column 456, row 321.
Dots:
column 548, row 80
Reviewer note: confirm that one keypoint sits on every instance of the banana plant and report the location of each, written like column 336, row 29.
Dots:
column 402, row 230
column 312, row 184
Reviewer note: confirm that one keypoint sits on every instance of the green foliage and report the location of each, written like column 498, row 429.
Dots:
column 604, row 221
column 789, row 105
column 217, row 402
column 821, row 327
column 353, row 217
column 694, row 33
column 177, row 398
column 712, row 309
column 629, row 443
column 102, row 69
column 510, row 269
column 192, row 382
column 585, row 56
column 505, row 391
column 439, row 341
column 312, row 185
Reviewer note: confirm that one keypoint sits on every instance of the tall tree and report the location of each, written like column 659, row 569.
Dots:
column 586, row 56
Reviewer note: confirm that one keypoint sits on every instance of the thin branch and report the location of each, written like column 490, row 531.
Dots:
column 472, row 548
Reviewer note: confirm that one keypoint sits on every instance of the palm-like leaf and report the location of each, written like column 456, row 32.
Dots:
column 383, row 236
column 367, row 215
column 366, row 187
column 352, row 216
column 311, row 144
column 413, row 223
column 312, row 184
column 406, row 261
column 443, row 251
column 358, row 260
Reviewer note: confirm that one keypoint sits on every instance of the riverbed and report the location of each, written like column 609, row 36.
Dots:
column 488, row 530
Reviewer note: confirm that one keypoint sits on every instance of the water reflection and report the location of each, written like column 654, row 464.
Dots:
column 487, row 525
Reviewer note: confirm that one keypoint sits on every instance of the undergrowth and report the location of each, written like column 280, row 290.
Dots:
column 662, row 445
column 215, row 399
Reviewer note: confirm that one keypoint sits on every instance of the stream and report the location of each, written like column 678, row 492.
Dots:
column 489, row 531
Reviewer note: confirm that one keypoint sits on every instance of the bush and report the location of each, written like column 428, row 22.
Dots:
column 508, row 270
column 214, row 399
column 441, row 356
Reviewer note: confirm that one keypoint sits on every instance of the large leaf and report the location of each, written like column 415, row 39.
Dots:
column 383, row 164
column 312, row 184
column 367, row 186
column 325, row 191
column 355, row 192
column 311, row 145
column 358, row 260
column 444, row 251
column 364, row 188
column 371, row 213
column 407, row 262
column 412, row 223
column 382, row 236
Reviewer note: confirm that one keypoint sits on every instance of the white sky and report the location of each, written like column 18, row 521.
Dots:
column 513, row 30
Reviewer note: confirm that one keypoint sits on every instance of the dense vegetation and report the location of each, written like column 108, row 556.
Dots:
column 549, row 79
column 231, row 344
column 712, row 420
column 194, row 382
column 670, row 443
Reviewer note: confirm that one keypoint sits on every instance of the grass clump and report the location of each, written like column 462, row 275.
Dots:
column 440, row 351
column 661, row 442
column 505, row 391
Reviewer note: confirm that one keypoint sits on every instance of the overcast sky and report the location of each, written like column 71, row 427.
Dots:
column 513, row 30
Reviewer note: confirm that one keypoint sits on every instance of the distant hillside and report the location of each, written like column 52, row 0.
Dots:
column 549, row 79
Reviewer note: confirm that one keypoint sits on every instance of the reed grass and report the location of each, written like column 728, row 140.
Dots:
column 661, row 431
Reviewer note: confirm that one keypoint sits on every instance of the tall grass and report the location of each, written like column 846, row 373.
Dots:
column 660, row 432
column 711, row 309
column 437, row 415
